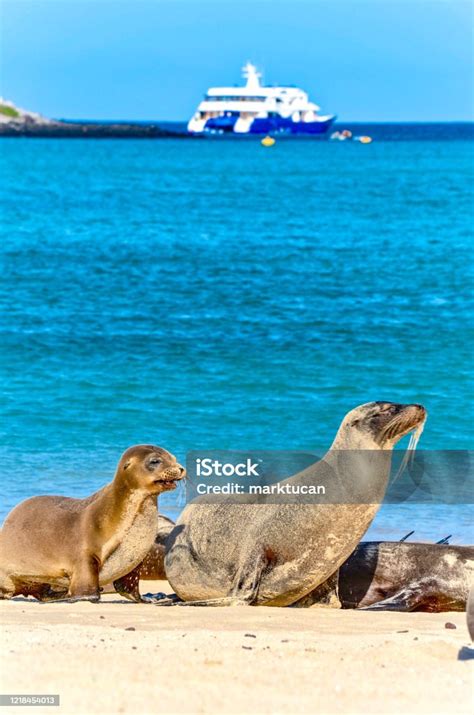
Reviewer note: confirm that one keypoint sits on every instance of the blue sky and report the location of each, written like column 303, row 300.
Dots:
column 375, row 60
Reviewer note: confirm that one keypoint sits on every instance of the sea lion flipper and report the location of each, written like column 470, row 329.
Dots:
column 127, row 586
column 85, row 579
column 7, row 585
column 247, row 580
column 245, row 585
column 215, row 602
column 407, row 599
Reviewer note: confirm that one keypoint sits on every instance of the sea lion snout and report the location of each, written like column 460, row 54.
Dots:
column 165, row 469
column 395, row 420
column 409, row 416
column 384, row 422
column 415, row 412
column 168, row 477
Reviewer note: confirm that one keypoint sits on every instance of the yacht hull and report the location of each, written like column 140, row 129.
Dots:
column 270, row 125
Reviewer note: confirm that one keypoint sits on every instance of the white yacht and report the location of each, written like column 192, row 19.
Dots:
column 258, row 109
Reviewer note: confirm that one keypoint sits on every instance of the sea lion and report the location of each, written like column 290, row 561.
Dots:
column 56, row 547
column 152, row 568
column 400, row 576
column 238, row 552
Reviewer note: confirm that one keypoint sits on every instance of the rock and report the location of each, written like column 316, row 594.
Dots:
column 11, row 115
column 15, row 122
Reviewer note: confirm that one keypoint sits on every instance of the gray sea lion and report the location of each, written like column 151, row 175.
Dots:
column 54, row 546
column 400, row 576
column 238, row 552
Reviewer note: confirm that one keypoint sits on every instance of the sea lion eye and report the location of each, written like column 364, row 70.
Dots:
column 154, row 461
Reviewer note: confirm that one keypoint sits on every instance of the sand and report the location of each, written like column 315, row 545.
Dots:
column 120, row 657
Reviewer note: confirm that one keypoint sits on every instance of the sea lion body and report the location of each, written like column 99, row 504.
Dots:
column 401, row 576
column 274, row 554
column 271, row 570
column 152, row 568
column 53, row 546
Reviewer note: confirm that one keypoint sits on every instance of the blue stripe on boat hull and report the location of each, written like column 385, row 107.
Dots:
column 268, row 125
column 221, row 124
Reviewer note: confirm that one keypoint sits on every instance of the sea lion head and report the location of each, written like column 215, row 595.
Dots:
column 151, row 468
column 379, row 425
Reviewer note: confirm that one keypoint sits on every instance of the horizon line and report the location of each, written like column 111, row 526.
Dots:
column 336, row 121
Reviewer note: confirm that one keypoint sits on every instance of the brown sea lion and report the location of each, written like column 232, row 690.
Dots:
column 400, row 576
column 239, row 552
column 56, row 547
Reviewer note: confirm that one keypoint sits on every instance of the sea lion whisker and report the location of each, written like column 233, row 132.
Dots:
column 409, row 455
column 391, row 429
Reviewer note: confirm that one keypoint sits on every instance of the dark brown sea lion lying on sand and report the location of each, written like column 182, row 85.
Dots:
column 400, row 576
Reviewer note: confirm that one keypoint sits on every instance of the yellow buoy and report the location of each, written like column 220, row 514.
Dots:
column 268, row 141
column 365, row 140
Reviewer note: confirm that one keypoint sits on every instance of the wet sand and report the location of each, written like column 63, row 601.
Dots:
column 120, row 657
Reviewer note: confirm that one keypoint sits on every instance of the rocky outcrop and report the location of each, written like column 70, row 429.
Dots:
column 16, row 122
column 11, row 115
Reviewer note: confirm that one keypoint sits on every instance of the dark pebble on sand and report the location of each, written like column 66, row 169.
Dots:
column 247, row 647
column 102, row 617
column 285, row 641
column 130, row 628
column 415, row 638
column 450, row 625
column 134, row 647
column 250, row 635
column 402, row 631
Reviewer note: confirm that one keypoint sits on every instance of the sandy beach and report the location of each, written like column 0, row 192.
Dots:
column 119, row 657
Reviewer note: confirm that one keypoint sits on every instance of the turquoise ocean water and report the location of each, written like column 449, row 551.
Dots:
column 217, row 294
